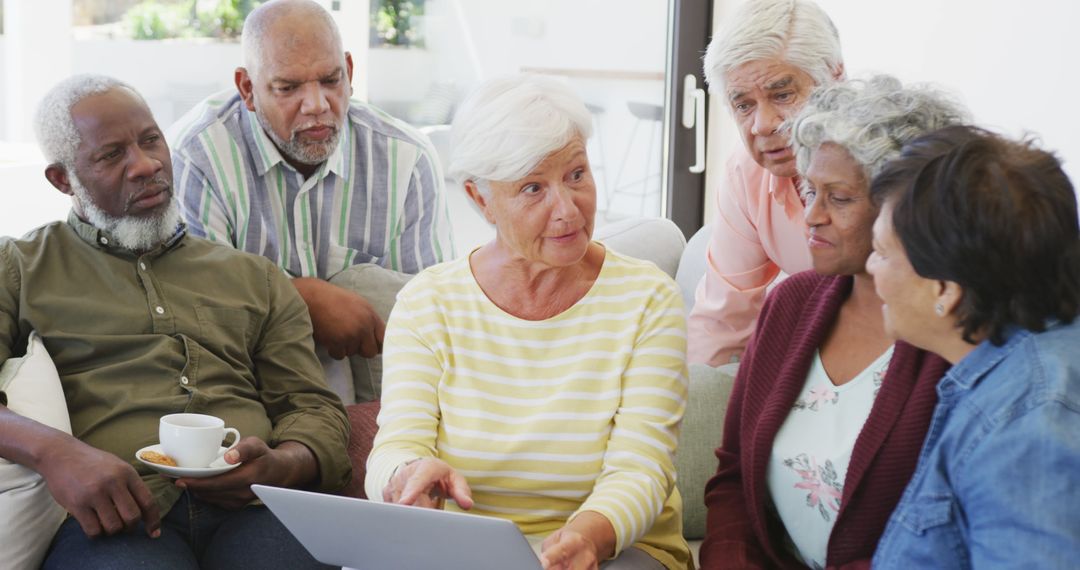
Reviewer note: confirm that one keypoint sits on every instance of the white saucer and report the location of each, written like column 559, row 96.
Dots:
column 218, row 467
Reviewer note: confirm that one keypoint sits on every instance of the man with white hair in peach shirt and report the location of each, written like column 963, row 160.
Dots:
column 764, row 65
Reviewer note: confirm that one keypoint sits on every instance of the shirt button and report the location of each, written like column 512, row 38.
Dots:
column 142, row 266
column 159, row 310
column 184, row 380
column 104, row 240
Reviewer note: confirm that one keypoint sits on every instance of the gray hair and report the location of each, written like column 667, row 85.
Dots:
column 798, row 32
column 871, row 119
column 261, row 19
column 53, row 125
column 508, row 125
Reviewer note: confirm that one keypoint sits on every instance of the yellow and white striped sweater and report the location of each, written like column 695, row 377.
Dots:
column 547, row 418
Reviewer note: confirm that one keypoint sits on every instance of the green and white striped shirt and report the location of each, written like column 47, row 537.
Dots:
column 378, row 198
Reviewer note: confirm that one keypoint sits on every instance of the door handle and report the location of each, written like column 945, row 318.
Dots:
column 693, row 117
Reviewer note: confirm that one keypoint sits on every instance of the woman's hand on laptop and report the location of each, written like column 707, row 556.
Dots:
column 427, row 482
column 582, row 544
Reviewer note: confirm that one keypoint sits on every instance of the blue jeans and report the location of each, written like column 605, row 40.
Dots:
column 194, row 534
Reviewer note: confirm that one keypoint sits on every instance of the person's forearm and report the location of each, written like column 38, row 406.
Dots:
column 313, row 292
column 729, row 536
column 303, row 467
column 308, row 287
column 25, row 441
column 598, row 530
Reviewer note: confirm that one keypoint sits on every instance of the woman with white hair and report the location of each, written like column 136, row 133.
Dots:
column 542, row 377
column 828, row 414
column 763, row 65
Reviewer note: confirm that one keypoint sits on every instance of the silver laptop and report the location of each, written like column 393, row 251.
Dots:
column 367, row 535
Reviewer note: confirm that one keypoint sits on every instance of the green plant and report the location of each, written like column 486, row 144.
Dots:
column 224, row 21
column 392, row 22
column 150, row 20
column 154, row 20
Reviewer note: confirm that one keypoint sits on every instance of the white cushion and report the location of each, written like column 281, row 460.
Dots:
column 657, row 240
column 29, row 516
column 692, row 265
column 379, row 286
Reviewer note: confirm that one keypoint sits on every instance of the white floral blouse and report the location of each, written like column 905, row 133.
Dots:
column 811, row 452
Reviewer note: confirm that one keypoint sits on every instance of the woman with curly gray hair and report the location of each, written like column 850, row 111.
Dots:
column 828, row 414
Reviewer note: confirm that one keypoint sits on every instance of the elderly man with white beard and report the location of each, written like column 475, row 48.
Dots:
column 143, row 320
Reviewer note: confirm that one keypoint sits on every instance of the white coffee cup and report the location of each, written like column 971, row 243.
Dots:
column 194, row 440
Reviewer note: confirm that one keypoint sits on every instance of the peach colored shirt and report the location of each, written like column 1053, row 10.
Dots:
column 758, row 232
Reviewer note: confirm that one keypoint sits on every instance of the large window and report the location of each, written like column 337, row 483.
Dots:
column 416, row 59
column 161, row 19
column 613, row 53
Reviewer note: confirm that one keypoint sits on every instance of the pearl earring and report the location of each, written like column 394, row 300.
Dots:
column 939, row 309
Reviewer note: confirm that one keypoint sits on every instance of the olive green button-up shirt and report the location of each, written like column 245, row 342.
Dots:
column 191, row 326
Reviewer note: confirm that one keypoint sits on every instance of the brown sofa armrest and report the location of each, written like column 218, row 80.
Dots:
column 362, row 435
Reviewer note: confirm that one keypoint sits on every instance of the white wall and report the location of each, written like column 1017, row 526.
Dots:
column 498, row 37
column 171, row 79
column 37, row 55
column 171, row 82
column 30, row 200
column 3, row 92
column 173, row 75
column 1013, row 63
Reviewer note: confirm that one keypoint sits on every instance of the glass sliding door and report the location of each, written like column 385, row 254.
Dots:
column 690, row 25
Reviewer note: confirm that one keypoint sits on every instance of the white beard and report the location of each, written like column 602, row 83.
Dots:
column 136, row 234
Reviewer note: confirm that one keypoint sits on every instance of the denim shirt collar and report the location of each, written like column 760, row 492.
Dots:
column 964, row 375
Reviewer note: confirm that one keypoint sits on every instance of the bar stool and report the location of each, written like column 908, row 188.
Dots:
column 597, row 160
column 652, row 115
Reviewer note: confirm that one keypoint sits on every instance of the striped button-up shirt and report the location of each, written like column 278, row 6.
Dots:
column 378, row 198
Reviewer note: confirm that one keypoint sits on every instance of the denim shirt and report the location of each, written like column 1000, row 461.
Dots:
column 998, row 480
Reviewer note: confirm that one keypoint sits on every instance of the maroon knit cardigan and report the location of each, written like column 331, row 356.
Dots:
column 793, row 323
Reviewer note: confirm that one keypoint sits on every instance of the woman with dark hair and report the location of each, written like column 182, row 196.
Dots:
column 977, row 258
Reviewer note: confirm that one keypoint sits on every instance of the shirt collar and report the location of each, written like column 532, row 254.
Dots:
column 266, row 154
column 964, row 375
column 260, row 146
column 105, row 241
column 785, row 192
column 336, row 162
